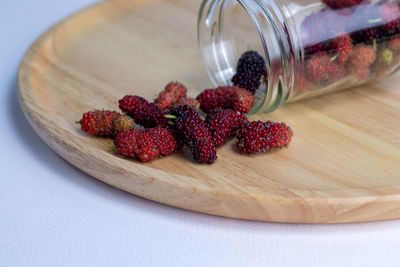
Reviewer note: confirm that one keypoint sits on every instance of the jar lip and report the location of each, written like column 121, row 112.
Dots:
column 278, row 51
column 267, row 19
column 262, row 95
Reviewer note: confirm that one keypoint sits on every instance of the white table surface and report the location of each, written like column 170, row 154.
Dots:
column 52, row 214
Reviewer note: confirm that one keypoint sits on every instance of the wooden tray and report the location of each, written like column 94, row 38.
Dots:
column 343, row 164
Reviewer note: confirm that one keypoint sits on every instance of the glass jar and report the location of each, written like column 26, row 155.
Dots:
column 310, row 47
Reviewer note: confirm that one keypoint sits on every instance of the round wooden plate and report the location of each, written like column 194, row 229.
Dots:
column 342, row 166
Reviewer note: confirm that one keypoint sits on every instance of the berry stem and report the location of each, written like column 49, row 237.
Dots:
column 374, row 20
column 170, row 123
column 334, row 57
column 113, row 148
column 78, row 122
column 169, row 116
column 374, row 45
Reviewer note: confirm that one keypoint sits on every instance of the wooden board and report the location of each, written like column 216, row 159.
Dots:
column 343, row 164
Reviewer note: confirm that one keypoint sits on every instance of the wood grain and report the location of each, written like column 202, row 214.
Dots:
column 343, row 164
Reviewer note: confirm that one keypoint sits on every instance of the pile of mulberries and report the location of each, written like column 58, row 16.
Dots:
column 151, row 130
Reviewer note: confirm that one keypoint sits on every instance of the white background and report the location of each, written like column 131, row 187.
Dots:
column 52, row 214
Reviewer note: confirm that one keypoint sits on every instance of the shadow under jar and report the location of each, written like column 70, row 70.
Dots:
column 310, row 47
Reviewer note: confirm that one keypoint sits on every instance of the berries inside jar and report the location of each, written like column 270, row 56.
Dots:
column 349, row 42
column 290, row 50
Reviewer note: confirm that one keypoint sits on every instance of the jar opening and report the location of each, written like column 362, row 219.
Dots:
column 227, row 29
